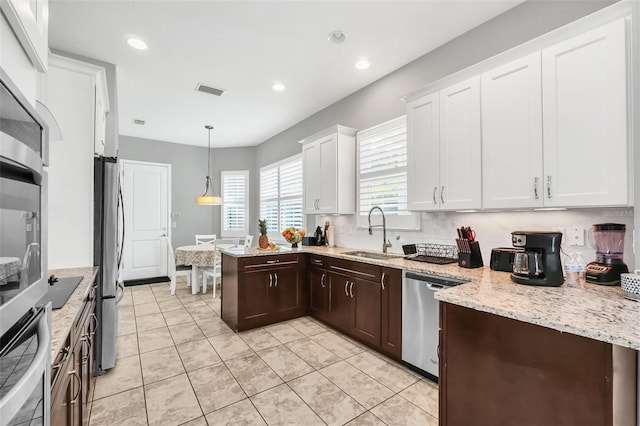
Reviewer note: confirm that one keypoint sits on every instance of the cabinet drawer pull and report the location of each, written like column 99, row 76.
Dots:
column 382, row 280
column 435, row 189
column 442, row 194
column 316, row 261
column 322, row 280
column 270, row 280
column 272, row 261
column 535, row 187
column 351, row 289
column 276, row 283
column 549, row 186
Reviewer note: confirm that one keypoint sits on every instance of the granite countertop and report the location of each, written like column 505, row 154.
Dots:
column 62, row 319
column 593, row 311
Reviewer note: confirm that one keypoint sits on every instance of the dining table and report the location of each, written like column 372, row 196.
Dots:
column 201, row 256
column 9, row 269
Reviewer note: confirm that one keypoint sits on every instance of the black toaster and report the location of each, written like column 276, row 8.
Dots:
column 502, row 258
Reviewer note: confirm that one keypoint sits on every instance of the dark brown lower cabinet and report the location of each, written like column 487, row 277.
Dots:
column 366, row 318
column 391, row 315
column 318, row 292
column 73, row 371
column 500, row 371
column 262, row 290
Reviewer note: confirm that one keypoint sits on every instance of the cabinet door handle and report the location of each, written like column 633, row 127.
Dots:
column 276, row 283
column 74, row 374
column 382, row 280
column 346, row 293
column 322, row 280
column 94, row 318
column 351, row 289
column 435, row 189
column 535, row 187
column 442, row 194
column 316, row 261
column 549, row 186
column 270, row 280
column 272, row 261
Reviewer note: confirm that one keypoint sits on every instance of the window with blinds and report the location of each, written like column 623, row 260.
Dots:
column 382, row 174
column 235, row 203
column 281, row 195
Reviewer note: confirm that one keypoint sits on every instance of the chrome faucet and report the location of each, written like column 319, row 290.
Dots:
column 385, row 243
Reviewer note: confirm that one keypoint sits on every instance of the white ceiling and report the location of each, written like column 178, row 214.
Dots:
column 244, row 47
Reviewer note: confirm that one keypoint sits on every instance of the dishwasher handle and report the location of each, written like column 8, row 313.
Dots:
column 435, row 287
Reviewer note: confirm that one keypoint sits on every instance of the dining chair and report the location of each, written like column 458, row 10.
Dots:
column 247, row 241
column 176, row 270
column 214, row 273
column 205, row 238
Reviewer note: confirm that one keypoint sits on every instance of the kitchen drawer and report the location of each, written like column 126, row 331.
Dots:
column 317, row 261
column 269, row 261
column 359, row 269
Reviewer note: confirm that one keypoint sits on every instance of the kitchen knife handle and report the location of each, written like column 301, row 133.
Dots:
column 549, row 186
column 535, row 187
column 442, row 194
column 435, row 189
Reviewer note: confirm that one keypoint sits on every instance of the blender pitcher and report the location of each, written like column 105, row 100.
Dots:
column 608, row 240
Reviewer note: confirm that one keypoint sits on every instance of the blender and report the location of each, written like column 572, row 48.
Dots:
column 608, row 239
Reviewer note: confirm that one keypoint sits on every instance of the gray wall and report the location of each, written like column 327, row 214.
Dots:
column 188, row 171
column 380, row 101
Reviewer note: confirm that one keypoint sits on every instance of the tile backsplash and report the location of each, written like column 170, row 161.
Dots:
column 493, row 229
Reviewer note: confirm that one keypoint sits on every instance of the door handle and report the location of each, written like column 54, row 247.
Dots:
column 549, row 186
column 435, row 189
column 346, row 293
column 535, row 187
column 382, row 280
column 276, row 275
column 322, row 280
column 351, row 289
column 270, row 280
column 442, row 194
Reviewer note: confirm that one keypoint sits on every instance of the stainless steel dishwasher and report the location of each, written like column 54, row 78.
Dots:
column 420, row 321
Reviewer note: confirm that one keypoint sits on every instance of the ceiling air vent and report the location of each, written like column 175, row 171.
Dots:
column 138, row 122
column 209, row 89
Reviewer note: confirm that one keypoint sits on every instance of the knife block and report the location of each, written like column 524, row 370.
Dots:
column 472, row 259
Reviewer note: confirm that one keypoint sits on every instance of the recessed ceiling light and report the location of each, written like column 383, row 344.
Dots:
column 337, row 37
column 278, row 87
column 362, row 64
column 136, row 43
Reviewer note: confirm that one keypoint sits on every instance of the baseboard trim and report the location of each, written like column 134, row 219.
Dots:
column 143, row 281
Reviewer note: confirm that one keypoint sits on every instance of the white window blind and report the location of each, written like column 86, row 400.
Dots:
column 281, row 195
column 235, row 203
column 382, row 174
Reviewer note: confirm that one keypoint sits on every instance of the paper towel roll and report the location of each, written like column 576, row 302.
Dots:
column 330, row 236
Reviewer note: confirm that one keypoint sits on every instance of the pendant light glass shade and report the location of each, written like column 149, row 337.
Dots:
column 208, row 198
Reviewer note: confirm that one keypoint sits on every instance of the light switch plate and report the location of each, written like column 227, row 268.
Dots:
column 575, row 236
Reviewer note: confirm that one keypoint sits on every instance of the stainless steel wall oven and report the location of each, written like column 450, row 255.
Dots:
column 25, row 341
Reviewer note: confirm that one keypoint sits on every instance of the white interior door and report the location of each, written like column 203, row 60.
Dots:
column 146, row 194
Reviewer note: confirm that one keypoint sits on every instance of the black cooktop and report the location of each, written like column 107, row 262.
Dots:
column 60, row 291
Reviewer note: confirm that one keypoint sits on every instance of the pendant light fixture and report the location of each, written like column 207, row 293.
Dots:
column 207, row 199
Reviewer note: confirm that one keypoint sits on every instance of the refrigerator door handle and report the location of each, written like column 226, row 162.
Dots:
column 120, row 292
column 121, row 210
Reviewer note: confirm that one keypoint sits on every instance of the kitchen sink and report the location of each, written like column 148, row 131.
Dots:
column 371, row 255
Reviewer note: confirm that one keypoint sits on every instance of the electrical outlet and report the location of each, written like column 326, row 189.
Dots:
column 174, row 225
column 575, row 236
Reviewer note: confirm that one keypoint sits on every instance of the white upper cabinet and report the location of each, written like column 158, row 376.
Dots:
column 512, row 170
column 423, row 153
column 584, row 87
column 444, row 149
column 328, row 159
column 29, row 20
column 460, row 146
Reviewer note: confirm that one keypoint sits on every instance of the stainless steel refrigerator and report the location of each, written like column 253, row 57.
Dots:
column 107, row 255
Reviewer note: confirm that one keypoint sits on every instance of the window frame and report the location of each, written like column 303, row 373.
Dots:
column 245, row 231
column 276, row 235
column 408, row 222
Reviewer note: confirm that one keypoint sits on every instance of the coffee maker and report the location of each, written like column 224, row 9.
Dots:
column 539, row 263
column 608, row 239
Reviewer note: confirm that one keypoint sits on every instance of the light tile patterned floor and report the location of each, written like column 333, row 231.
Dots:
column 179, row 364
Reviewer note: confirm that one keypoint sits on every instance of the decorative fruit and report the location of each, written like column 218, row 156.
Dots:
column 293, row 235
column 263, row 241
